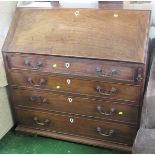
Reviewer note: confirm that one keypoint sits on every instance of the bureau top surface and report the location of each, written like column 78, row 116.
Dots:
column 93, row 33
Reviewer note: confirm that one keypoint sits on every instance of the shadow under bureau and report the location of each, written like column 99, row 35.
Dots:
column 78, row 74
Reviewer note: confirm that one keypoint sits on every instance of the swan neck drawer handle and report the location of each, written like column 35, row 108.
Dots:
column 112, row 91
column 110, row 112
column 44, row 123
column 110, row 74
column 108, row 134
column 39, row 98
column 38, row 65
column 41, row 82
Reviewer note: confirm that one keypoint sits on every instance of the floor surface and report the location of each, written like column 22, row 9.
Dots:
column 12, row 143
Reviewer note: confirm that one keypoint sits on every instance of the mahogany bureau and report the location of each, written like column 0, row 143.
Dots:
column 78, row 74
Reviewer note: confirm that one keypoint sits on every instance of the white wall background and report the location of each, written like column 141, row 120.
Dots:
column 6, row 12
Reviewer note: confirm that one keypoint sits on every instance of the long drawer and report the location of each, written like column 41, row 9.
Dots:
column 106, row 70
column 79, row 126
column 76, row 85
column 75, row 105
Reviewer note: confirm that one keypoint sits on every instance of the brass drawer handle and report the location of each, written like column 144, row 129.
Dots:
column 139, row 77
column 39, row 98
column 112, row 91
column 41, row 82
column 98, row 69
column 110, row 112
column 38, row 65
column 44, row 123
column 108, row 134
column 110, row 74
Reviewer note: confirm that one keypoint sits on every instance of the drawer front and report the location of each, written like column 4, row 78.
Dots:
column 66, row 124
column 75, row 66
column 75, row 85
column 75, row 105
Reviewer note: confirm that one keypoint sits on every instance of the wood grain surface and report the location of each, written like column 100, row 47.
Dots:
column 75, row 125
column 71, row 72
column 94, row 33
column 77, row 86
column 78, row 139
column 83, row 106
column 104, row 70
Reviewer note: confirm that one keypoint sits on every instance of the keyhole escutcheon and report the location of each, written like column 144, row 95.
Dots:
column 71, row 120
column 67, row 65
column 70, row 100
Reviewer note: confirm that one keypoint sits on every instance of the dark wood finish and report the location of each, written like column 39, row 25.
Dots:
column 97, row 44
column 74, row 125
column 78, row 86
column 105, row 70
column 94, row 33
column 75, row 105
column 89, row 141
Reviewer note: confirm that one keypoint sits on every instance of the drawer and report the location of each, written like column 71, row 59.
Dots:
column 106, row 70
column 76, row 85
column 75, row 105
column 78, row 126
